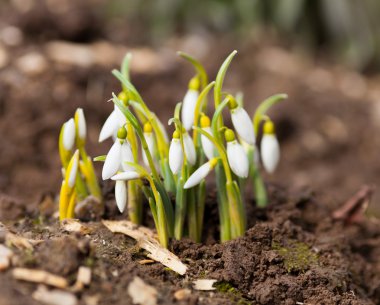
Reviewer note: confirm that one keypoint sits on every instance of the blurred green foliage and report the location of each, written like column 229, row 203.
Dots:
column 349, row 30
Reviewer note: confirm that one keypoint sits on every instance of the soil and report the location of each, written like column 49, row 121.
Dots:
column 293, row 252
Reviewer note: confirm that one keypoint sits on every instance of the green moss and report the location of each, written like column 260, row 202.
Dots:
column 297, row 255
column 233, row 294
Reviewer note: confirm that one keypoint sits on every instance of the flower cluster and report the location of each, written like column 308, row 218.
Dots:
column 200, row 144
column 79, row 178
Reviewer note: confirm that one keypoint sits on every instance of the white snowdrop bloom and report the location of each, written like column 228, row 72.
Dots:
column 270, row 148
column 126, row 176
column 113, row 161
column 72, row 169
column 188, row 107
column 149, row 137
column 175, row 154
column 114, row 121
column 126, row 155
column 189, row 149
column 68, row 137
column 237, row 158
column 243, row 124
column 81, row 123
column 200, row 174
column 121, row 195
column 207, row 145
column 189, row 103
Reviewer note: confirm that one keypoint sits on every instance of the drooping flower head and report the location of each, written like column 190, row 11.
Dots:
column 175, row 153
column 270, row 148
column 201, row 173
column 149, row 137
column 236, row 155
column 241, row 121
column 118, row 155
column 189, row 103
column 207, row 145
column 115, row 120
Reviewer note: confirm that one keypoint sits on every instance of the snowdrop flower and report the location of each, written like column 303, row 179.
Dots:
column 207, row 145
column 236, row 155
column 149, row 137
column 69, row 134
column 175, row 153
column 119, row 153
column 270, row 148
column 114, row 121
column 126, row 176
column 200, row 173
column 80, row 124
column 189, row 103
column 188, row 145
column 72, row 170
column 121, row 195
column 242, row 122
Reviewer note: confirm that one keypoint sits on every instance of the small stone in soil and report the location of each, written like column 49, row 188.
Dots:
column 142, row 293
column 54, row 297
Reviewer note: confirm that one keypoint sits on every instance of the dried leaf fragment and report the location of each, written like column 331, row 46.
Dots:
column 39, row 276
column 142, row 293
column 54, row 297
column 73, row 225
column 146, row 240
column 182, row 294
column 204, row 284
column 5, row 257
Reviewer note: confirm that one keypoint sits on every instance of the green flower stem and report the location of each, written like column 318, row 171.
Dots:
column 80, row 187
column 225, row 223
column 169, row 180
column 198, row 108
column 88, row 172
column 198, row 67
column 162, row 145
column 219, row 83
column 264, row 107
column 261, row 196
column 201, row 199
column 192, row 215
column 180, row 209
column 135, row 205
column 236, row 209
column 132, row 119
column 162, row 221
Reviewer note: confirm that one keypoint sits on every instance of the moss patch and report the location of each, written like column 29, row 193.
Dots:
column 297, row 255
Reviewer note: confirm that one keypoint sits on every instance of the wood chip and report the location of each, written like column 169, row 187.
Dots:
column 147, row 240
column 15, row 240
column 73, row 225
column 146, row 261
column 54, row 297
column 182, row 294
column 39, row 276
column 204, row 284
column 352, row 211
column 83, row 279
column 142, row 293
column 5, row 257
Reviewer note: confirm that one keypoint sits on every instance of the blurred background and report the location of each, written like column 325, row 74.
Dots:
column 56, row 56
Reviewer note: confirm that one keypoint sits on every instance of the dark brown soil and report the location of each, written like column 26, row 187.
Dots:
column 293, row 251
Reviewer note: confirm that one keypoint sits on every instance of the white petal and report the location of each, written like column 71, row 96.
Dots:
column 243, row 125
column 207, row 145
column 109, row 128
column 270, row 152
column 198, row 175
column 121, row 195
column 69, row 134
column 82, row 128
column 189, row 149
column 113, row 159
column 121, row 119
column 149, row 137
column 126, row 176
column 126, row 155
column 237, row 159
column 73, row 170
column 175, row 156
column 188, row 108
